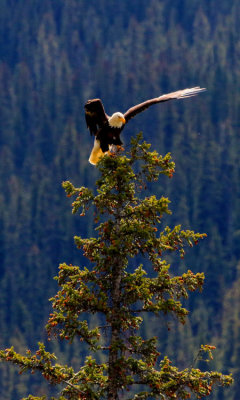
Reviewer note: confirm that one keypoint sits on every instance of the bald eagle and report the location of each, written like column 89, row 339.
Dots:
column 107, row 129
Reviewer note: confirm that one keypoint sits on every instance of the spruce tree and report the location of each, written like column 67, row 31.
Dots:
column 121, row 291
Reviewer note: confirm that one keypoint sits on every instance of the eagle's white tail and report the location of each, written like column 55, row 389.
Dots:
column 96, row 153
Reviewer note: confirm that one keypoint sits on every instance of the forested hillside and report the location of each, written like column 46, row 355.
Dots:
column 55, row 55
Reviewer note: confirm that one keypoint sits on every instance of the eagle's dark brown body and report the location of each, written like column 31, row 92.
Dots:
column 107, row 129
column 108, row 135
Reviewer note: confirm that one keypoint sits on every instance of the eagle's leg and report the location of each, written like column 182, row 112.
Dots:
column 112, row 150
column 115, row 149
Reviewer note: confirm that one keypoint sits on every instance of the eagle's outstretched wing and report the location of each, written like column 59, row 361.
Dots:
column 180, row 94
column 95, row 115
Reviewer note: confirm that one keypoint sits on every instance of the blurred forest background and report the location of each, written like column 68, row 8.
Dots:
column 55, row 55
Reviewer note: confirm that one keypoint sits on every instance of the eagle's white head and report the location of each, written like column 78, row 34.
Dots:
column 117, row 120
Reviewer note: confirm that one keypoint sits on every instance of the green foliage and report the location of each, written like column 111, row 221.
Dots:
column 127, row 226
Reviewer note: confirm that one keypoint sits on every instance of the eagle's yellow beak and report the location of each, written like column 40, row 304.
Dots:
column 123, row 120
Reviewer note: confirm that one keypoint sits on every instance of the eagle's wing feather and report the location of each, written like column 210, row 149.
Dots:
column 180, row 94
column 95, row 115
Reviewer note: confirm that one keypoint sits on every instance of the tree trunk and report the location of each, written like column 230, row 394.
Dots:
column 115, row 332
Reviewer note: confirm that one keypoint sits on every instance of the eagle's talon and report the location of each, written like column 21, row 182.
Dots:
column 120, row 148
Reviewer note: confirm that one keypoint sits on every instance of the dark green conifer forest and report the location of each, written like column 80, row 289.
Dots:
column 55, row 55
